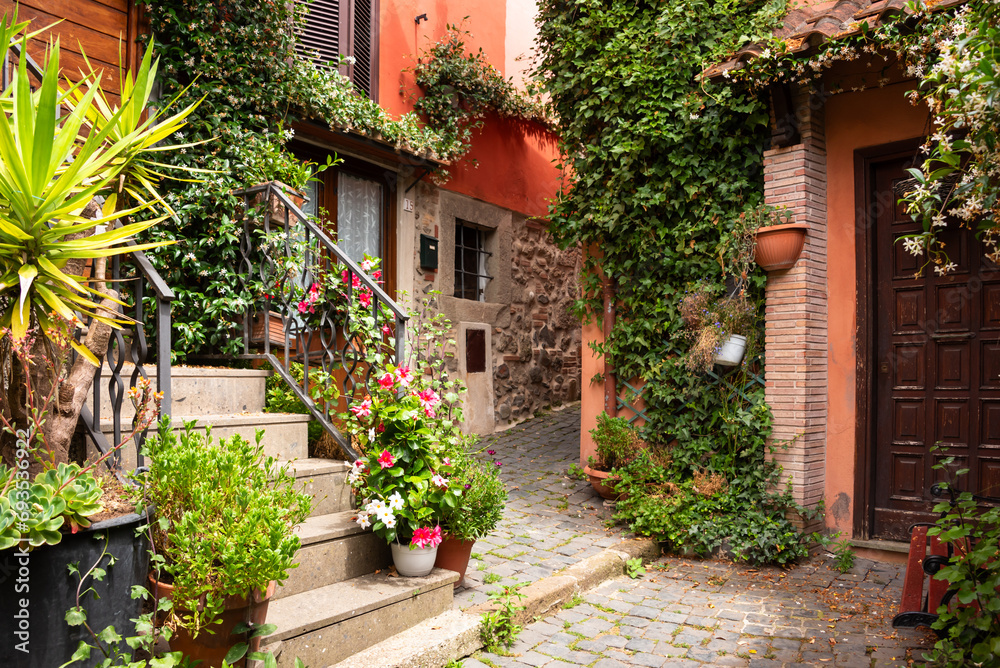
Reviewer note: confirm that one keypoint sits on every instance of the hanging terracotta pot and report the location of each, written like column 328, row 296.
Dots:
column 453, row 555
column 778, row 246
column 211, row 648
column 414, row 563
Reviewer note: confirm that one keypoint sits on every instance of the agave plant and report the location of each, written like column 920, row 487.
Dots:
column 63, row 147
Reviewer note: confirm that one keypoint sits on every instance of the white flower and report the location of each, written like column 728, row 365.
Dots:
column 376, row 507
column 913, row 245
column 371, row 435
column 439, row 481
column 390, row 523
column 385, row 515
column 363, row 520
column 395, row 501
column 946, row 269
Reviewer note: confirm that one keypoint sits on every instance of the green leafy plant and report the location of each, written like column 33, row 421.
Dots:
column 483, row 498
column 576, row 472
column 225, row 515
column 491, row 578
column 498, row 628
column 634, row 568
column 617, row 443
column 968, row 628
column 460, row 87
column 843, row 555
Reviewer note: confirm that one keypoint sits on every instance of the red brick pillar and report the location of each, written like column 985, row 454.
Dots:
column 796, row 308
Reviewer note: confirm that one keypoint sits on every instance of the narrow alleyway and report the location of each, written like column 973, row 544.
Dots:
column 680, row 612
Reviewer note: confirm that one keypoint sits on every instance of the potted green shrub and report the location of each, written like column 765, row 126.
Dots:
column 223, row 536
column 477, row 513
column 617, row 444
column 404, row 477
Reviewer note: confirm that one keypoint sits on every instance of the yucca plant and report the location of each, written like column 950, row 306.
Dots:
column 62, row 148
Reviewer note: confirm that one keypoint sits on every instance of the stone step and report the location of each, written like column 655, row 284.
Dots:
column 334, row 548
column 326, row 625
column 286, row 435
column 196, row 391
column 430, row 644
column 326, row 481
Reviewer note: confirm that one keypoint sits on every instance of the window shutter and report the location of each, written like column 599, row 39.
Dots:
column 319, row 35
column 362, row 46
column 334, row 28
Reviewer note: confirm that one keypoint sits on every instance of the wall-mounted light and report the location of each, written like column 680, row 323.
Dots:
column 422, row 17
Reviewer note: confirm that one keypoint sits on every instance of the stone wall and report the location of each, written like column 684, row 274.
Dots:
column 534, row 340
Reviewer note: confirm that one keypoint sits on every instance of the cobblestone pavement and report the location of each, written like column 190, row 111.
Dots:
column 680, row 612
column 551, row 520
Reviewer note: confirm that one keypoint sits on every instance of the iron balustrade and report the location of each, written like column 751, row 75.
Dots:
column 289, row 253
column 134, row 277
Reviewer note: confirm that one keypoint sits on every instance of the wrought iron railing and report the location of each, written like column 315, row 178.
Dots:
column 289, row 263
column 134, row 278
column 127, row 344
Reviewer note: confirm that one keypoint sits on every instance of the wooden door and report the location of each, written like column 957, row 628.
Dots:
column 937, row 358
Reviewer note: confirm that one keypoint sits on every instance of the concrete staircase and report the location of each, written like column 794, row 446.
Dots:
column 340, row 599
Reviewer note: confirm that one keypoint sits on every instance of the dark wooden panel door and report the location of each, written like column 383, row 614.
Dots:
column 937, row 344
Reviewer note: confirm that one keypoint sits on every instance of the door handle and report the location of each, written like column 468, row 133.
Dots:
column 957, row 336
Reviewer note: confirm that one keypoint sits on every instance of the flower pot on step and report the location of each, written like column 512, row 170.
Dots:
column 731, row 352
column 414, row 563
column 48, row 639
column 211, row 648
column 598, row 480
column 778, row 246
column 453, row 555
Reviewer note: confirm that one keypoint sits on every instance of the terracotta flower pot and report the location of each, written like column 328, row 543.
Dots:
column 598, row 482
column 778, row 246
column 211, row 648
column 453, row 555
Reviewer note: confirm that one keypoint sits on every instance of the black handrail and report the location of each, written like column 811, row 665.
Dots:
column 318, row 341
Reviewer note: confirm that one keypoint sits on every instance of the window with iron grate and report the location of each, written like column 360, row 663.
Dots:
column 470, row 262
column 335, row 28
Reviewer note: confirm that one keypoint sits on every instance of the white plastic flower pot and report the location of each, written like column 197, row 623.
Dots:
column 413, row 563
column 731, row 352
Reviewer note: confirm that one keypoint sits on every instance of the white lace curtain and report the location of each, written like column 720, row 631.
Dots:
column 359, row 216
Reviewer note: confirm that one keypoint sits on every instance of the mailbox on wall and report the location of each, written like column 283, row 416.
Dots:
column 428, row 252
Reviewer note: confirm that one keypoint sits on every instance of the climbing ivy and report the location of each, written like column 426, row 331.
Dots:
column 659, row 167
column 460, row 87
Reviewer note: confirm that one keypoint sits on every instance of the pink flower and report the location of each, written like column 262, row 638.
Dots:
column 428, row 399
column 386, row 460
column 355, row 281
column 429, row 412
column 364, row 409
column 314, row 288
column 380, row 428
column 440, row 481
column 303, row 307
column 365, row 297
column 386, row 330
column 387, row 381
column 378, row 275
column 403, row 375
column 367, row 265
column 424, row 537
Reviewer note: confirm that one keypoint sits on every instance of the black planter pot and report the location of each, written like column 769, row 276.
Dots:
column 36, row 590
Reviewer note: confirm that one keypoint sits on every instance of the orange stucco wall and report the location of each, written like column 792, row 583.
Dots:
column 515, row 168
column 853, row 121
